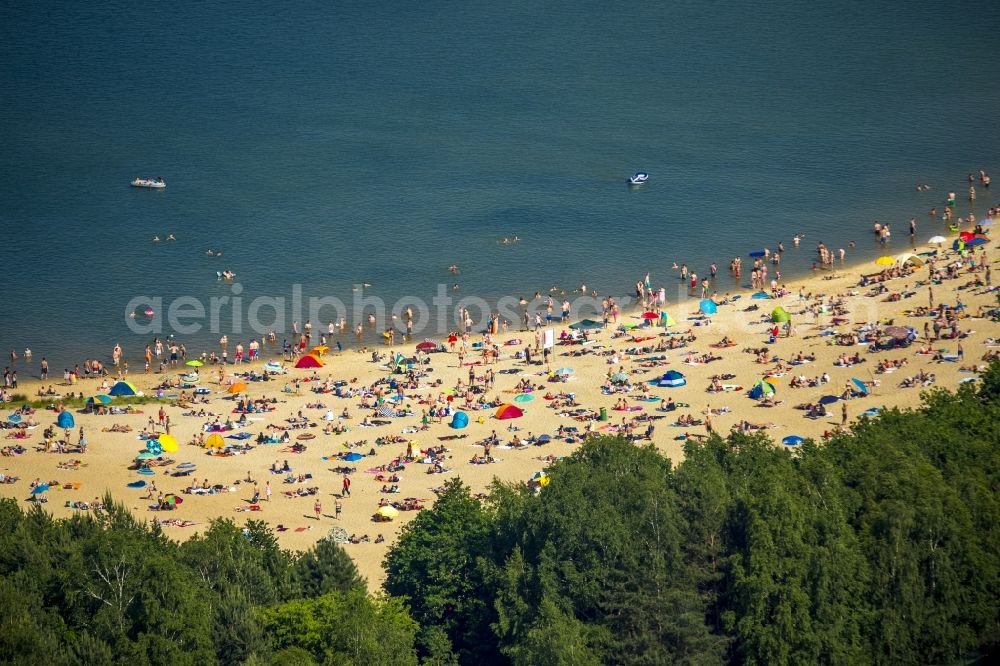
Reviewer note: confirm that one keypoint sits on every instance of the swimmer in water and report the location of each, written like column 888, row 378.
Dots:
column 505, row 241
column 453, row 268
column 171, row 237
column 156, row 239
column 797, row 239
column 852, row 245
column 516, row 239
column 366, row 284
column 218, row 253
column 209, row 252
column 455, row 286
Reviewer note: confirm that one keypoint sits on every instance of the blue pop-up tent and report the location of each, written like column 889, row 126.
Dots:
column 459, row 420
column 65, row 420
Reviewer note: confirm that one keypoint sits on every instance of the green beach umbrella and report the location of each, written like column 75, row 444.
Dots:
column 195, row 363
column 779, row 315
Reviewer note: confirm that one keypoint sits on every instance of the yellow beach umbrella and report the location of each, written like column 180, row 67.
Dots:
column 885, row 261
column 387, row 511
column 215, row 441
column 168, row 443
column 319, row 350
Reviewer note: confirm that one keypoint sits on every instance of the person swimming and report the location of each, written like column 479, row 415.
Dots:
column 156, row 239
column 171, row 237
column 453, row 268
column 209, row 252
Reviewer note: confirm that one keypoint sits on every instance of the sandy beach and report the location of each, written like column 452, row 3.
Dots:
column 824, row 310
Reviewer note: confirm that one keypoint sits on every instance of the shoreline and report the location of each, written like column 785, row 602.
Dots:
column 104, row 468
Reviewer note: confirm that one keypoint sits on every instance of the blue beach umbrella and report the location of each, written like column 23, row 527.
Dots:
column 564, row 371
column 792, row 440
column 154, row 447
column 860, row 384
column 708, row 306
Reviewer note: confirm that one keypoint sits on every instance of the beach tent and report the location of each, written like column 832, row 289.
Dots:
column 761, row 388
column 666, row 320
column 122, row 388
column 215, row 441
column 168, row 443
column 779, row 315
column 459, row 420
column 65, row 420
column 977, row 241
column 509, row 411
column 587, row 325
column 708, row 306
column 792, row 440
column 309, row 361
column 353, row 456
column 672, row 378
column 911, row 258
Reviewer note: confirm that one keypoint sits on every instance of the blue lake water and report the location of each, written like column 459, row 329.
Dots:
column 325, row 144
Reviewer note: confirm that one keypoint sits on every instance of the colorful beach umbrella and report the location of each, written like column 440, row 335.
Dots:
column 238, row 387
column 319, row 350
column 666, row 320
column 168, row 443
column 14, row 418
column 508, row 411
column 172, row 499
column 122, row 388
column 708, row 306
column 195, row 363
column 99, row 399
column 780, row 315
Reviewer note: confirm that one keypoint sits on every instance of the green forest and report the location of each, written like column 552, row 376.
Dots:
column 881, row 546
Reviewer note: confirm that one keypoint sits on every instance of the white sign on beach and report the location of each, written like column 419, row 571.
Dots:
column 549, row 341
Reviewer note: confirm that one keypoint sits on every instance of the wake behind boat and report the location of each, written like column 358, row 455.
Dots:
column 157, row 184
column 638, row 179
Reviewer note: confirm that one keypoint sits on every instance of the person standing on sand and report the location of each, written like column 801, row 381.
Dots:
column 346, row 487
column 843, row 413
column 267, row 491
column 318, row 508
column 338, row 508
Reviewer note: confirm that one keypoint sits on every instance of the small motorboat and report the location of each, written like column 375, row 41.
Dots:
column 157, row 184
column 639, row 178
